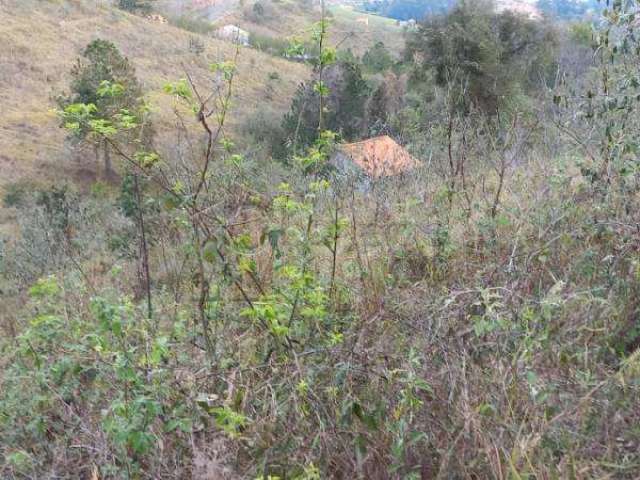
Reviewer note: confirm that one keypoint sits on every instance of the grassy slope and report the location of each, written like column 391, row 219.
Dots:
column 362, row 36
column 41, row 41
column 291, row 18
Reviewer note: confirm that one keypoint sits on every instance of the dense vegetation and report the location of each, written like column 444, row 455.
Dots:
column 484, row 59
column 210, row 311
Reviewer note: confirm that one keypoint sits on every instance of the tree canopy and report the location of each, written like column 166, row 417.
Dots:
column 481, row 56
column 344, row 106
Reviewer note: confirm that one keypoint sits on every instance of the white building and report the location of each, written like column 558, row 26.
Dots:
column 233, row 33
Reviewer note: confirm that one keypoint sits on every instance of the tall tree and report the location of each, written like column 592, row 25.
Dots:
column 377, row 58
column 343, row 108
column 479, row 56
column 104, row 80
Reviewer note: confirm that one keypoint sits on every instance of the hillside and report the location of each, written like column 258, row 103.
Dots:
column 421, row 263
column 33, row 73
column 283, row 20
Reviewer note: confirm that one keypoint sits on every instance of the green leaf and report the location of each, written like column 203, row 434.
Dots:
column 110, row 89
column 180, row 89
column 140, row 442
column 147, row 159
column 45, row 287
column 102, row 127
column 328, row 56
column 227, row 69
column 321, row 89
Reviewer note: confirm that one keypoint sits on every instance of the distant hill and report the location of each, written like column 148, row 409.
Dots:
column 418, row 9
column 570, row 8
column 407, row 9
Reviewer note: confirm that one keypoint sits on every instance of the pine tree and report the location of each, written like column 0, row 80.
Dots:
column 103, row 66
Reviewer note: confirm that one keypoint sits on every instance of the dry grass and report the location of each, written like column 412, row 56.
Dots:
column 348, row 21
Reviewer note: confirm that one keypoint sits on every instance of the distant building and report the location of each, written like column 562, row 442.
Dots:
column 375, row 157
column 408, row 24
column 233, row 33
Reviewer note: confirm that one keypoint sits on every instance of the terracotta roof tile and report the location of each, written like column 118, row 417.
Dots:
column 380, row 156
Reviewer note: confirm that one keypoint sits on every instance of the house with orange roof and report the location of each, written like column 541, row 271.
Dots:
column 375, row 157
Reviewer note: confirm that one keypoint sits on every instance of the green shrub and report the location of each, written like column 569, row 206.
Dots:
column 17, row 194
